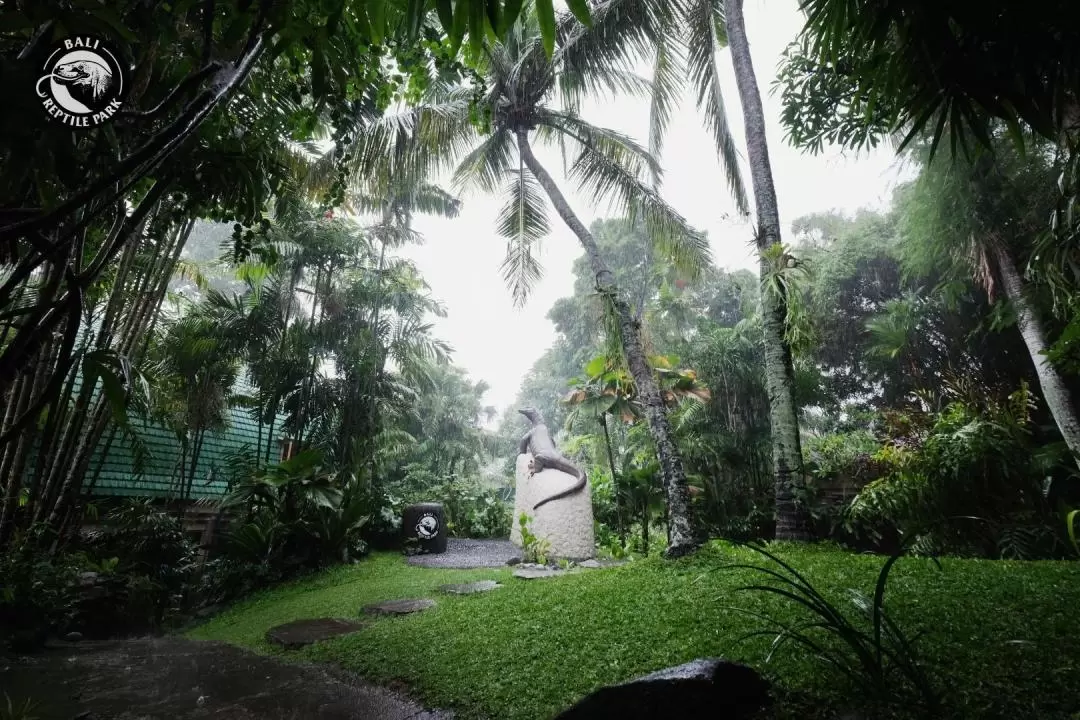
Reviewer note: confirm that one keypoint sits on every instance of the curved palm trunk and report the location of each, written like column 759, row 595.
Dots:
column 1054, row 391
column 683, row 538
column 792, row 518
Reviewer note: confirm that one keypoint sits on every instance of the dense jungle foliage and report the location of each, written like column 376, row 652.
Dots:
column 232, row 246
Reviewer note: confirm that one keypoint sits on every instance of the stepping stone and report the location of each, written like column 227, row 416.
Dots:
column 399, row 607
column 600, row 564
column 469, row 588
column 305, row 632
column 537, row 573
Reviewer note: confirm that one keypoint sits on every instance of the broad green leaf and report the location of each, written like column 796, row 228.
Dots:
column 460, row 25
column 545, row 15
column 596, row 366
column 510, row 13
column 376, row 11
column 494, row 15
column 580, row 8
column 477, row 18
column 445, row 10
column 414, row 17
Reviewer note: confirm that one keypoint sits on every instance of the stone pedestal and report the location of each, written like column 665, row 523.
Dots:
column 566, row 523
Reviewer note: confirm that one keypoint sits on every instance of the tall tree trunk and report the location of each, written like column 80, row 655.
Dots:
column 645, row 531
column 200, row 435
column 684, row 538
column 792, row 516
column 377, row 370
column 1054, row 391
column 308, row 381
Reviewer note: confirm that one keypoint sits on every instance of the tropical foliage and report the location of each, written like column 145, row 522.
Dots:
column 233, row 246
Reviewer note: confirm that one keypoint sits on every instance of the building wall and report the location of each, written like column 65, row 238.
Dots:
column 159, row 475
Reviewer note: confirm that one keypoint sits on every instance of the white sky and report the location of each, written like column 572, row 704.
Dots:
column 461, row 257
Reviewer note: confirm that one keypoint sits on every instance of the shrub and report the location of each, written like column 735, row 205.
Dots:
column 966, row 481
column 145, row 565
column 471, row 510
column 294, row 517
column 38, row 593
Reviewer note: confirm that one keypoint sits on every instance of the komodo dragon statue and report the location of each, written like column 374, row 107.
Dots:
column 539, row 444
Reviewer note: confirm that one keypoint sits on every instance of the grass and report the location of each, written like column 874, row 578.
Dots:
column 999, row 635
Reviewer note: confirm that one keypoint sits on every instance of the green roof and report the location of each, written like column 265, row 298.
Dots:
column 160, row 476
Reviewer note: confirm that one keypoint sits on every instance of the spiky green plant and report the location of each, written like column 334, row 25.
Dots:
column 868, row 647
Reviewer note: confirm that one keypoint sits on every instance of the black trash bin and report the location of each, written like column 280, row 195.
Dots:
column 424, row 523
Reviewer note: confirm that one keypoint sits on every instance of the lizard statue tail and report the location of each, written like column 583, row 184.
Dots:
column 576, row 487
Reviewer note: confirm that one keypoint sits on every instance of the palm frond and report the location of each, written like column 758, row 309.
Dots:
column 667, row 86
column 703, row 18
column 523, row 222
column 622, row 33
column 612, row 166
column 488, row 164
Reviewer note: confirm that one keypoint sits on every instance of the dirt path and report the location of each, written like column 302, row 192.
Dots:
column 172, row 678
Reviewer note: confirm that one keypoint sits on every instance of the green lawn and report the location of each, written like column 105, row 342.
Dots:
column 1000, row 636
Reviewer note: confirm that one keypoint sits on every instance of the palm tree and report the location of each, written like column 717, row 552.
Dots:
column 792, row 517
column 976, row 218
column 522, row 105
column 194, row 371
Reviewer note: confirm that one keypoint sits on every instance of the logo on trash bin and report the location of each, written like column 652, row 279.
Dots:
column 428, row 527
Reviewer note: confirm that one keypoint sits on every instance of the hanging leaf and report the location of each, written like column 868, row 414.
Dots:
column 580, row 9
column 545, row 14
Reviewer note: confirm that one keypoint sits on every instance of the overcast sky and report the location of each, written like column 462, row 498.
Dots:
column 498, row 343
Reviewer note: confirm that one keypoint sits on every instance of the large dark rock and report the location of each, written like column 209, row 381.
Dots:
column 299, row 633
column 706, row 688
column 425, row 525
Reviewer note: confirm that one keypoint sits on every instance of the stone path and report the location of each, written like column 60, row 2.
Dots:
column 469, row 588
column 398, row 607
column 299, row 633
column 464, row 554
column 172, row 678
column 535, row 573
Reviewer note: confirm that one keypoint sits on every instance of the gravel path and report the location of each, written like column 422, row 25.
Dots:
column 464, row 554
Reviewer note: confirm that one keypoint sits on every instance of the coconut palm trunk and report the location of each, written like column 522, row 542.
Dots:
column 1054, row 391
column 792, row 518
column 683, row 538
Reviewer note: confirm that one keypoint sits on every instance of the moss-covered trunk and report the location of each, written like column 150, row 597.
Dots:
column 792, row 516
